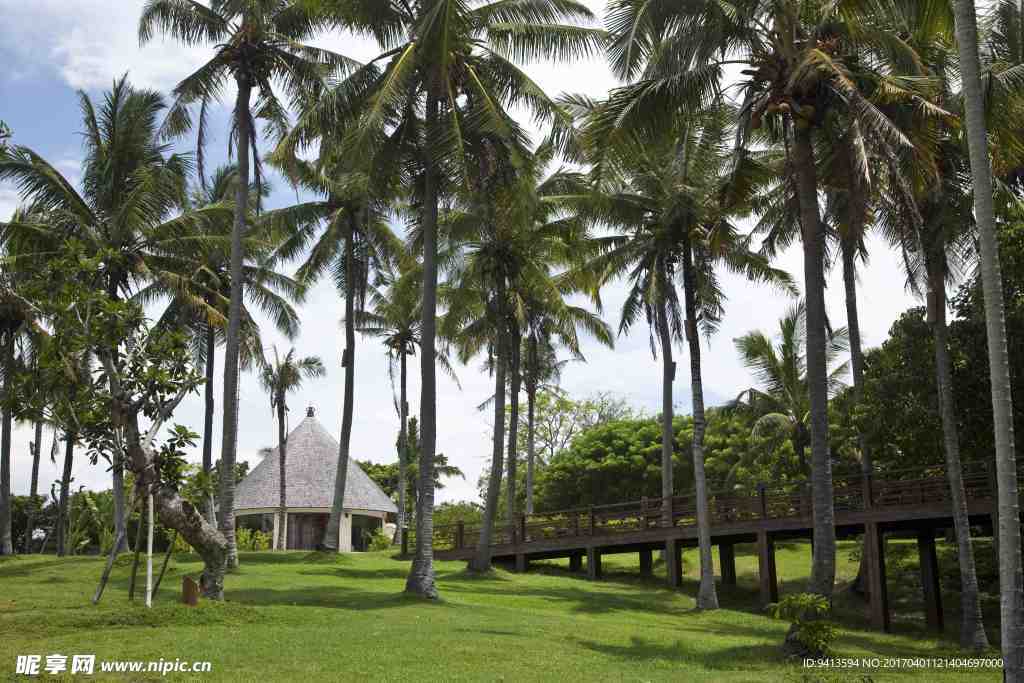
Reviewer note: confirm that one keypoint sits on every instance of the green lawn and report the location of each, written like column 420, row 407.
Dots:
column 300, row 617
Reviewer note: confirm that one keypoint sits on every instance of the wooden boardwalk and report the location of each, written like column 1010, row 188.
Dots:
column 869, row 505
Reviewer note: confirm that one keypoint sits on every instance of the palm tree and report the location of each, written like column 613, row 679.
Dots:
column 670, row 202
column 393, row 315
column 207, row 264
column 804, row 61
column 257, row 44
column 347, row 236
column 781, row 402
column 435, row 54
column 280, row 377
column 1011, row 590
column 133, row 189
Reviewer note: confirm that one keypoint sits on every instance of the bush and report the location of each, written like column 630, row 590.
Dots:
column 810, row 635
column 379, row 541
column 251, row 539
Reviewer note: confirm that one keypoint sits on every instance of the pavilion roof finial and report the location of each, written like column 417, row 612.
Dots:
column 311, row 411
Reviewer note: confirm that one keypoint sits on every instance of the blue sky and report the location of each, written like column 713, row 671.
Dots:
column 51, row 48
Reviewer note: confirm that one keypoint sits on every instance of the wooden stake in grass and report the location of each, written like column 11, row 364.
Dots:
column 167, row 557
column 135, row 561
column 149, row 557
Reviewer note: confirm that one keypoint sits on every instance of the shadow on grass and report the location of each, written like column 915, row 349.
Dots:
column 333, row 597
column 642, row 650
column 14, row 567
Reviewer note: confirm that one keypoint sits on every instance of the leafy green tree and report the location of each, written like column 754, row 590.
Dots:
column 280, row 377
column 256, row 44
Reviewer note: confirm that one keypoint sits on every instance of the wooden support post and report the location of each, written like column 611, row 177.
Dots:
column 874, row 545
column 521, row 562
column 766, row 568
column 593, row 563
column 868, row 492
column 593, row 522
column 674, row 562
column 575, row 562
column 646, row 562
column 460, row 535
column 405, row 542
column 522, row 528
column 930, row 580
column 727, row 560
column 763, row 500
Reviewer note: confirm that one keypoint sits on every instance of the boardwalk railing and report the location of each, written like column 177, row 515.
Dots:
column 852, row 493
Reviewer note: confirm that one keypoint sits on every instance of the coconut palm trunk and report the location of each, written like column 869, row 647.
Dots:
column 531, row 425
column 229, row 438
column 482, row 561
column 707, row 598
column 421, row 575
column 6, row 422
column 211, row 347
column 331, row 533
column 515, row 357
column 1011, row 581
column 668, row 375
column 972, row 629
column 403, row 446
column 281, row 542
column 33, row 491
column 823, row 563
column 65, row 492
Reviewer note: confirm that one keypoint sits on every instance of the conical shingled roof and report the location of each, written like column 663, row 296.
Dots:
column 311, row 463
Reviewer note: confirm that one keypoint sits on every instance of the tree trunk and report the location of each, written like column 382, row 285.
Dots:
column 120, row 505
column 707, row 598
column 421, row 574
column 33, row 492
column 515, row 353
column 823, row 564
column 531, row 428
column 229, row 437
column 63, row 502
column 1011, row 581
column 403, row 448
column 331, row 541
column 972, row 629
column 668, row 375
column 6, row 421
column 211, row 348
column 482, row 561
column 281, row 542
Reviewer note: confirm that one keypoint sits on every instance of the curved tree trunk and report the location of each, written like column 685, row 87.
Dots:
column 331, row 532
column 972, row 629
column 6, row 422
column 482, row 561
column 211, row 348
column 281, row 542
column 823, row 563
column 707, row 598
column 421, row 574
column 668, row 375
column 1011, row 581
column 33, row 492
column 229, row 438
column 515, row 348
column 403, row 448
column 62, row 501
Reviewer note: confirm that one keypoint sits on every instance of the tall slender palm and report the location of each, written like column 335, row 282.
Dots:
column 781, row 401
column 670, row 202
column 279, row 377
column 393, row 315
column 804, row 62
column 207, row 265
column 347, row 236
column 129, row 208
column 257, row 44
column 434, row 54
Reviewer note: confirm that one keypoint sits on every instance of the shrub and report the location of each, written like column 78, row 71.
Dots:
column 252, row 539
column 379, row 541
column 810, row 635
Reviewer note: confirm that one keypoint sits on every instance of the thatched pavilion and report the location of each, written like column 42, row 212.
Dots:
column 311, row 464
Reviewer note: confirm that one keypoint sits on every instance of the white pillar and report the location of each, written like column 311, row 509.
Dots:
column 345, row 533
column 277, row 539
column 284, row 537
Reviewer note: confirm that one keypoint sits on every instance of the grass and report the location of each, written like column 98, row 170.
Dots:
column 307, row 617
